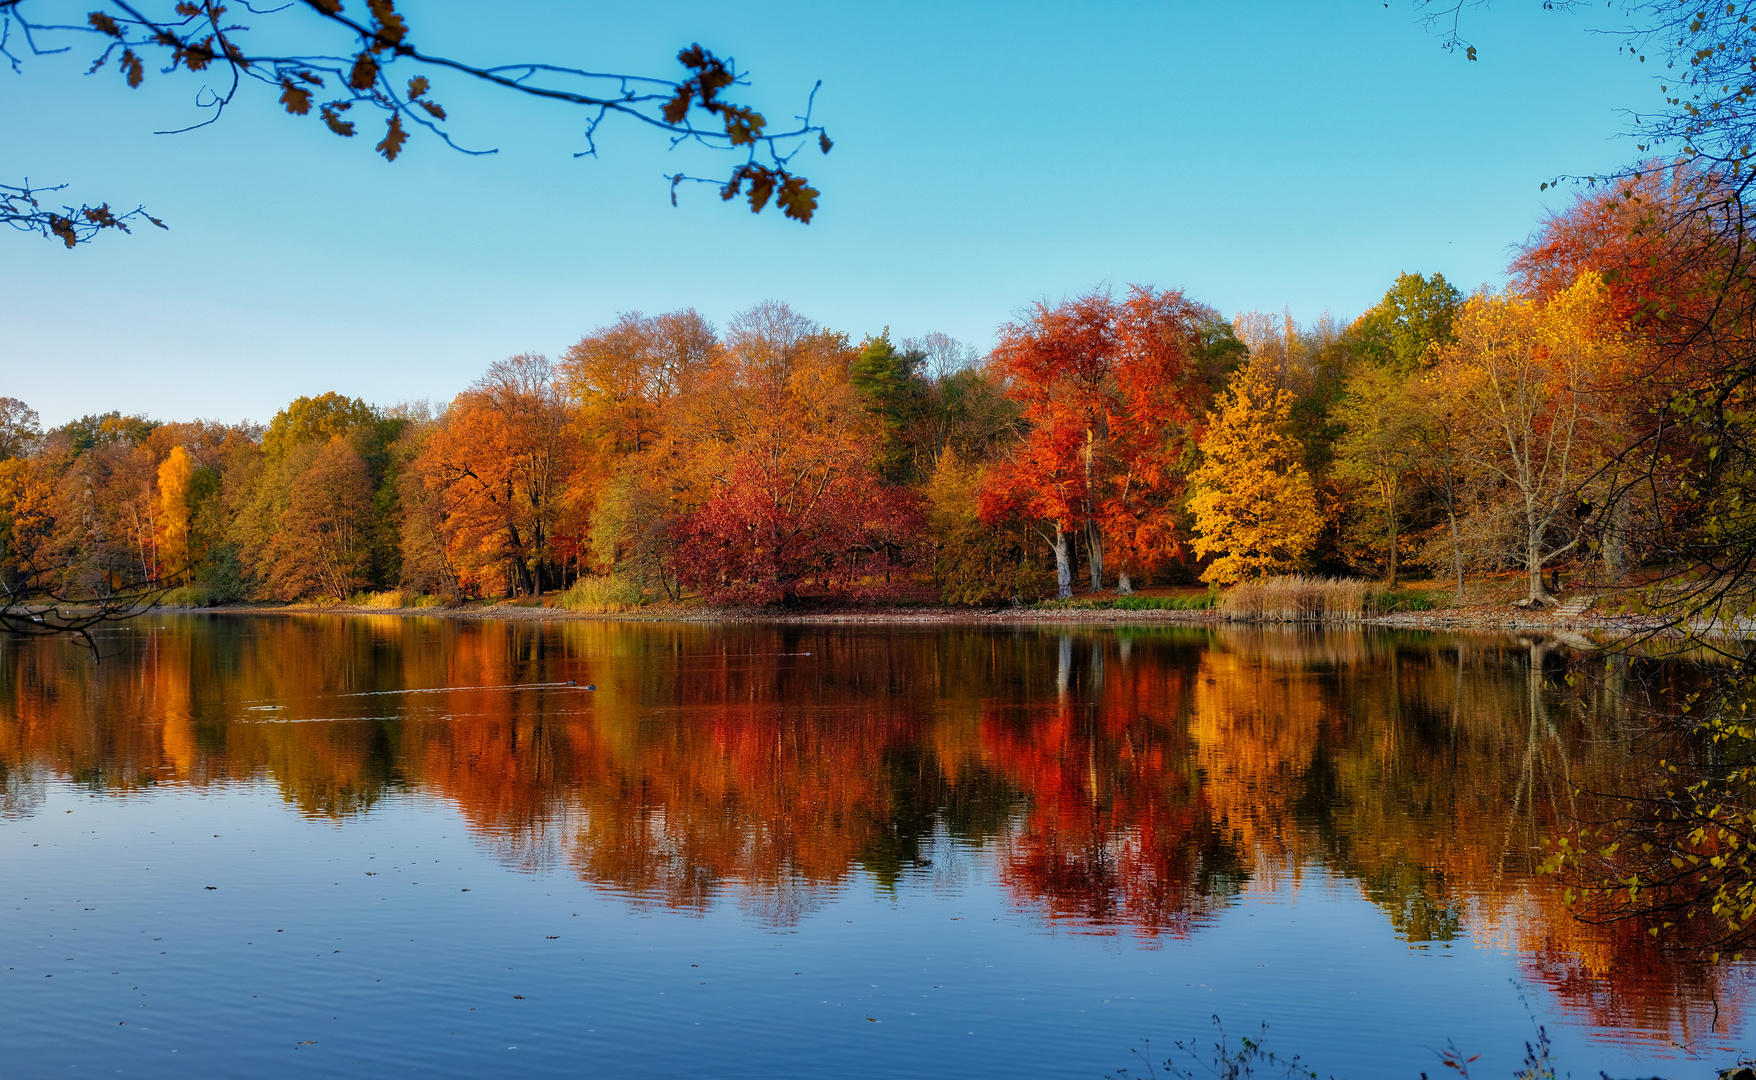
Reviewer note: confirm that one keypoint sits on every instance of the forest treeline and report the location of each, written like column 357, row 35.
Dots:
column 1115, row 440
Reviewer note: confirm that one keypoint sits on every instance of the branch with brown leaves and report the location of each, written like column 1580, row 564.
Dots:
column 376, row 67
column 21, row 208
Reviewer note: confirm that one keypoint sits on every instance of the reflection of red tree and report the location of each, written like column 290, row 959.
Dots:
column 1119, row 831
column 1611, row 976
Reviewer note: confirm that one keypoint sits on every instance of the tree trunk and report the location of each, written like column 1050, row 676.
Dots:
column 1456, row 552
column 1094, row 555
column 1393, row 551
column 1124, row 584
column 1533, row 565
column 1063, row 564
column 1615, row 548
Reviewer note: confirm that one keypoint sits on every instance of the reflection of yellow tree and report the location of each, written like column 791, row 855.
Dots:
column 1433, row 777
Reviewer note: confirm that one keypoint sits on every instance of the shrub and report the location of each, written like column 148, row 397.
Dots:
column 186, row 596
column 1386, row 602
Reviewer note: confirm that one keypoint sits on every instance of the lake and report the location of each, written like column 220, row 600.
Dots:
column 378, row 846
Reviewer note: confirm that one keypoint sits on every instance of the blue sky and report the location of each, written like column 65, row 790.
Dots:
column 987, row 155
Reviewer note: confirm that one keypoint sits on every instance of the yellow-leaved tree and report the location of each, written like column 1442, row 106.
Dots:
column 1254, row 503
column 1535, row 377
column 175, row 474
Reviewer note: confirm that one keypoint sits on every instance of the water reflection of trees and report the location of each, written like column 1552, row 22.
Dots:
column 1136, row 779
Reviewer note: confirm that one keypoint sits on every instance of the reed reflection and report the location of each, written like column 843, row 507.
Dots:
column 1132, row 781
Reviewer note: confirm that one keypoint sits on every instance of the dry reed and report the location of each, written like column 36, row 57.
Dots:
column 1300, row 599
column 603, row 595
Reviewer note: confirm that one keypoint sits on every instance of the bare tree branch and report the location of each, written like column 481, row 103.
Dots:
column 34, row 604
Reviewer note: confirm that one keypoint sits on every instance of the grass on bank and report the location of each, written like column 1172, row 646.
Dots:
column 1293, row 599
column 1199, row 602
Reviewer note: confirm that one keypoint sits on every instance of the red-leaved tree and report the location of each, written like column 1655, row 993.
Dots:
column 778, row 455
column 1110, row 393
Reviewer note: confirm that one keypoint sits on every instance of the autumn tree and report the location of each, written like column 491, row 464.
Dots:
column 1439, row 423
column 1311, row 362
column 623, row 377
column 132, row 502
column 20, row 429
column 62, row 566
column 1670, row 276
column 779, row 451
column 1378, row 451
column 633, row 529
column 975, row 561
column 106, row 509
column 261, row 483
column 1255, row 506
column 1528, row 370
column 1414, row 317
column 371, row 62
column 323, row 545
column 1106, row 390
column 315, row 420
column 27, row 520
column 501, row 459
column 427, row 565
column 175, row 474
column 626, row 382
column 1376, row 444
column 26, row 516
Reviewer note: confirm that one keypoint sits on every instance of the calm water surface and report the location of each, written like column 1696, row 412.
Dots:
column 331, row 846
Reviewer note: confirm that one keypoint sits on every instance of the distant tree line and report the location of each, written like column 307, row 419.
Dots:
column 1108, row 440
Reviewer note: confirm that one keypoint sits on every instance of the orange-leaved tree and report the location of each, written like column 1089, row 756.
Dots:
column 501, row 459
column 1109, row 392
column 626, row 382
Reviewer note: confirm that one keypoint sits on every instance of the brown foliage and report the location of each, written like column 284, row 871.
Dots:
column 321, row 546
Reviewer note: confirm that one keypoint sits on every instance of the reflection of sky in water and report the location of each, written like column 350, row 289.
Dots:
column 375, row 880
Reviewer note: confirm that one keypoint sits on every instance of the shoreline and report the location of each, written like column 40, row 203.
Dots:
column 1455, row 620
